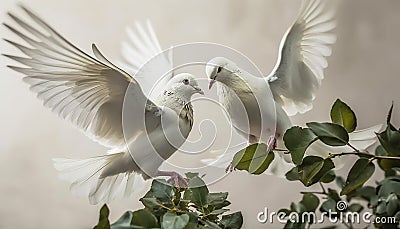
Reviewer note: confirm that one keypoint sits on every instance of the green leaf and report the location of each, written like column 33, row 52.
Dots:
column 255, row 159
column 124, row 222
column 217, row 199
column 225, row 203
column 297, row 225
column 151, row 203
column 381, row 208
column 197, row 192
column 367, row 193
column 313, row 169
column 330, row 133
column 397, row 216
column 161, row 190
column 211, row 225
column 172, row 221
column 328, row 177
column 144, row 218
column 193, row 221
column 355, row 208
column 388, row 187
column 361, row 171
column 190, row 175
column 332, row 193
column 390, row 141
column 177, row 196
column 342, row 114
column 340, row 182
column 232, row 221
column 219, row 211
column 389, row 116
column 310, row 202
column 393, row 204
column 329, row 204
column 104, row 223
column 297, row 140
column 183, row 204
column 310, row 169
column 390, row 138
column 298, row 207
column 293, row 174
column 386, row 164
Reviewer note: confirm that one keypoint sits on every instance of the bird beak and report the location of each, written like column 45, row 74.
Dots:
column 211, row 82
column 198, row 90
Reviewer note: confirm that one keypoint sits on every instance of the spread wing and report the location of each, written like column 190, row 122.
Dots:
column 299, row 70
column 143, row 55
column 87, row 91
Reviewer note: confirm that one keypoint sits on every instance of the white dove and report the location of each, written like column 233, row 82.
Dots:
column 90, row 93
column 293, row 82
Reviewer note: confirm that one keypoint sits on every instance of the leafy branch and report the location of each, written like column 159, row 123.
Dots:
column 195, row 207
column 170, row 208
column 383, row 198
column 363, row 154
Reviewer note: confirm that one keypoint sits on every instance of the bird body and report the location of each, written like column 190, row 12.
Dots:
column 291, row 86
column 246, row 94
column 141, row 129
column 289, row 89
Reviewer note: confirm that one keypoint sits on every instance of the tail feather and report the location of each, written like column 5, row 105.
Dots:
column 279, row 166
column 106, row 189
column 364, row 134
column 361, row 139
column 85, row 178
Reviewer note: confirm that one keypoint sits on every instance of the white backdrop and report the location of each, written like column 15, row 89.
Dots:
column 363, row 71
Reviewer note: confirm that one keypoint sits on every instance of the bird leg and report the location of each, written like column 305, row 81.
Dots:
column 271, row 144
column 175, row 178
column 230, row 168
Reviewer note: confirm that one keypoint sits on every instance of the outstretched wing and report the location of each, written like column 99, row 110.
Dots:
column 299, row 70
column 143, row 55
column 76, row 86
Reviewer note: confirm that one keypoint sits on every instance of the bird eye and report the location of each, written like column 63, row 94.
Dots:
column 185, row 81
column 219, row 69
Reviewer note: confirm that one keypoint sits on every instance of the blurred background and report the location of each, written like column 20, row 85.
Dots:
column 363, row 71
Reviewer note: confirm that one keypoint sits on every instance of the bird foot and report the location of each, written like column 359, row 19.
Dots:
column 230, row 168
column 271, row 144
column 175, row 178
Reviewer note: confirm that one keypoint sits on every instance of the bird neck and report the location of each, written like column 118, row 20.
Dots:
column 237, row 82
column 174, row 100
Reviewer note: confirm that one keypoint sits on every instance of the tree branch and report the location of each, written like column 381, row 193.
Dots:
column 365, row 154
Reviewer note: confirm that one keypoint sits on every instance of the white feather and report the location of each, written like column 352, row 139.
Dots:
column 144, row 57
column 302, row 57
column 91, row 93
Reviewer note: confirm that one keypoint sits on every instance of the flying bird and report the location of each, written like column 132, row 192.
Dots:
column 94, row 94
column 289, row 89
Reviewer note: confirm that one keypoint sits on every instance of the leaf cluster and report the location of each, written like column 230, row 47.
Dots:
column 382, row 199
column 167, row 207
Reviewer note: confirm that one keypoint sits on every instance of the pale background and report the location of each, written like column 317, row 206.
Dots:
column 363, row 71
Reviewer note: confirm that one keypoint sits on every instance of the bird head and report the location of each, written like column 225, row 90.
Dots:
column 184, row 85
column 220, row 69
